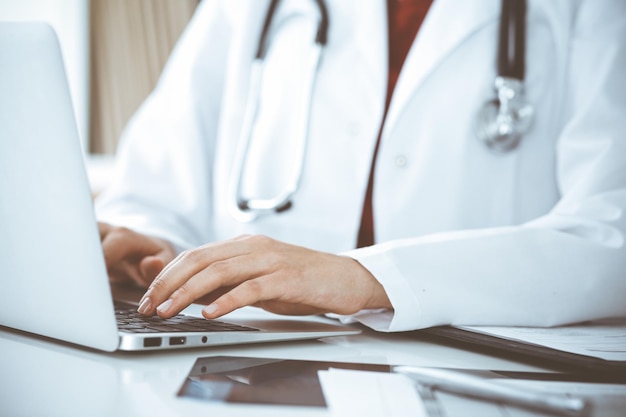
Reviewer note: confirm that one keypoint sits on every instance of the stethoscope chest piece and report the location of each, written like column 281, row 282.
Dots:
column 503, row 121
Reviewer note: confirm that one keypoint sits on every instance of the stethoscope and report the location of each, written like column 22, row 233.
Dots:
column 247, row 209
column 501, row 122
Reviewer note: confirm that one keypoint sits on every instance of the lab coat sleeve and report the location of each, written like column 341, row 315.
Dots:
column 162, row 179
column 567, row 266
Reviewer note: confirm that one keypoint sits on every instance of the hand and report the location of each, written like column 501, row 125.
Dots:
column 133, row 257
column 260, row 271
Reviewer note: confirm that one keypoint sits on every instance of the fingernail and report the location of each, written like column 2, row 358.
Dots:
column 165, row 306
column 210, row 309
column 145, row 306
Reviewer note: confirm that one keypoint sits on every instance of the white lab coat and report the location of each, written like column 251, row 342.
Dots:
column 465, row 236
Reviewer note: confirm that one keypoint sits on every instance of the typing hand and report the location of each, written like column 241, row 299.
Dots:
column 263, row 272
column 133, row 257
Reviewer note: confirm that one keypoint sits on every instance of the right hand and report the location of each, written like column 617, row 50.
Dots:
column 259, row 271
column 132, row 257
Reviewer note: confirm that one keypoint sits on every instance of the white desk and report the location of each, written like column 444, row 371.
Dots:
column 44, row 378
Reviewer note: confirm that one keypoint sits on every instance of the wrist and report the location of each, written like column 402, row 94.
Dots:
column 374, row 295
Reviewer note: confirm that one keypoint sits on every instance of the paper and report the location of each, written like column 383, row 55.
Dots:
column 603, row 340
column 365, row 394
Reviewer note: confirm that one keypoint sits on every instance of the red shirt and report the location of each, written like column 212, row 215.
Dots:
column 404, row 20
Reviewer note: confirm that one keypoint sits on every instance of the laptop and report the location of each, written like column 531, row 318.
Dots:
column 53, row 278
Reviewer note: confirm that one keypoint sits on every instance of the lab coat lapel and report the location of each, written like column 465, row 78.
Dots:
column 435, row 41
column 371, row 42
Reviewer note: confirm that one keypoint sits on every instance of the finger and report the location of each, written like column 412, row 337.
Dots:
column 226, row 273
column 134, row 275
column 188, row 263
column 247, row 293
column 124, row 250
column 184, row 267
column 117, row 244
column 125, row 272
column 150, row 267
column 103, row 229
column 287, row 308
column 213, row 295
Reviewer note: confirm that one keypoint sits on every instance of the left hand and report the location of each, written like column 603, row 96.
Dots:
column 263, row 272
column 133, row 257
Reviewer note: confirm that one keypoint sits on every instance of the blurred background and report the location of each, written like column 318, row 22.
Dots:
column 114, row 51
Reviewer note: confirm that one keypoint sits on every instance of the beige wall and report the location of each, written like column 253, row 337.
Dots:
column 130, row 42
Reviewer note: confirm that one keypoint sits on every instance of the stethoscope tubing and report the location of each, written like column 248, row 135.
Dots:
column 500, row 123
column 512, row 40
column 321, row 36
column 248, row 209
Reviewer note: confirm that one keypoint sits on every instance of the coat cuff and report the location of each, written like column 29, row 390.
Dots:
column 406, row 309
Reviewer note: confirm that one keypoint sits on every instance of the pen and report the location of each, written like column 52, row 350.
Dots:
column 480, row 388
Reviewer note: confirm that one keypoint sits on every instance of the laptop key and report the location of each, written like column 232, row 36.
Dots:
column 130, row 320
column 129, row 326
column 170, row 329
column 140, row 330
column 144, row 330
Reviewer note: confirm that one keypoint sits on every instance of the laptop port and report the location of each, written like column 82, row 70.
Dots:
column 152, row 342
column 176, row 341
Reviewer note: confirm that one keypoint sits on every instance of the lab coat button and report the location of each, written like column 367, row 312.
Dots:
column 400, row 161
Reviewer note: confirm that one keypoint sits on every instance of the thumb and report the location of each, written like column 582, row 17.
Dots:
column 149, row 268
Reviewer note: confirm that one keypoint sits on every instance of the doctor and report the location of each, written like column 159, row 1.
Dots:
column 365, row 183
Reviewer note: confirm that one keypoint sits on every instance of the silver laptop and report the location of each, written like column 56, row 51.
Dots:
column 53, row 279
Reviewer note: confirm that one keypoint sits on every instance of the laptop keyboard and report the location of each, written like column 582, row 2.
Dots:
column 129, row 320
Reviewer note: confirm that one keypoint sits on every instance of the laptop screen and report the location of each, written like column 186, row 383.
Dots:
column 52, row 275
